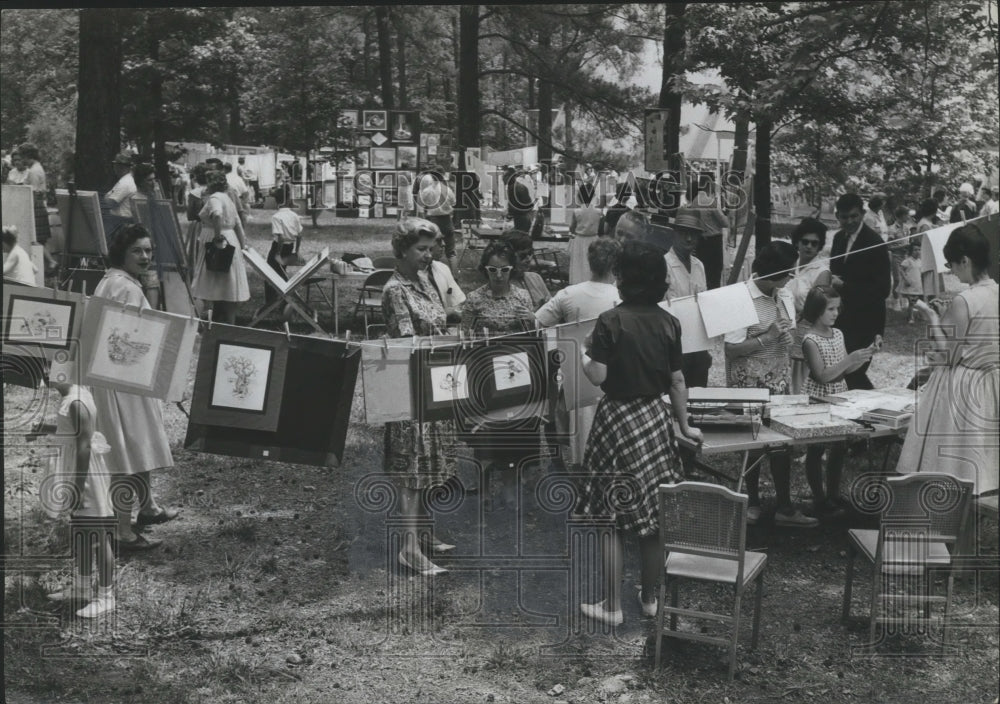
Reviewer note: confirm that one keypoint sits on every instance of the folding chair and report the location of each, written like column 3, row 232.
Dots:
column 370, row 295
column 287, row 289
column 470, row 240
column 922, row 520
column 703, row 526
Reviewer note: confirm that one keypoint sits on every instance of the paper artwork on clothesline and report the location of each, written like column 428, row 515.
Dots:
column 385, row 374
column 694, row 337
column 486, row 381
column 313, row 407
column 932, row 248
column 240, row 377
column 726, row 309
column 143, row 352
column 578, row 391
column 83, row 226
column 18, row 208
column 40, row 322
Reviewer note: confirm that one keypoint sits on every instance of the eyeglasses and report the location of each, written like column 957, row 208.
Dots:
column 499, row 269
column 810, row 243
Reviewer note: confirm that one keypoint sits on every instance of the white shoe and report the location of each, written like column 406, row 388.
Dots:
column 98, row 607
column 648, row 610
column 597, row 612
column 431, row 571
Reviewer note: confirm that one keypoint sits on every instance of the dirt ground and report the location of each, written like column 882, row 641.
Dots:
column 278, row 583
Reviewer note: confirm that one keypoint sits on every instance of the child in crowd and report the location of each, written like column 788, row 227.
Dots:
column 80, row 462
column 827, row 361
column 911, row 286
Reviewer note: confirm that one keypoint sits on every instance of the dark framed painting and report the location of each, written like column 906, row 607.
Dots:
column 316, row 398
column 240, row 377
column 403, row 126
column 349, row 119
column 382, row 158
column 40, row 322
column 406, row 157
column 375, row 120
column 385, row 179
column 488, row 382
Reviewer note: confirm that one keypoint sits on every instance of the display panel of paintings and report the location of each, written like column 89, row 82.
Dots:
column 486, row 382
column 375, row 120
column 349, row 119
column 382, row 158
column 362, row 141
column 83, row 227
column 346, row 186
column 40, row 322
column 315, row 407
column 160, row 219
column 142, row 352
column 406, row 156
column 403, row 126
column 240, row 377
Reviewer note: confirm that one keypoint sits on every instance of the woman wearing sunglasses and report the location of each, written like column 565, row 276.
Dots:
column 811, row 269
column 498, row 308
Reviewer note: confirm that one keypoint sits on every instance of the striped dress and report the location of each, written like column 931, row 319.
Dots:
column 768, row 367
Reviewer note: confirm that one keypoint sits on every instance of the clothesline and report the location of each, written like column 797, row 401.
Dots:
column 791, row 271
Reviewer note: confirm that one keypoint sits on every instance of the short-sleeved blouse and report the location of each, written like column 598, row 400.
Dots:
column 831, row 351
column 641, row 346
column 413, row 307
column 498, row 314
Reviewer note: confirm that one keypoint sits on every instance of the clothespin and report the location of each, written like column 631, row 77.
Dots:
column 347, row 336
column 461, row 338
column 83, row 287
column 209, row 318
column 486, row 333
column 385, row 346
column 288, row 332
column 963, row 218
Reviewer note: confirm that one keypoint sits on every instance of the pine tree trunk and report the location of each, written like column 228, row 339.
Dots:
column 762, row 182
column 674, row 45
column 469, row 130
column 98, row 122
column 403, row 101
column 384, row 54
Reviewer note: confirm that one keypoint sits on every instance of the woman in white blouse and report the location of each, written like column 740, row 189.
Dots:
column 811, row 269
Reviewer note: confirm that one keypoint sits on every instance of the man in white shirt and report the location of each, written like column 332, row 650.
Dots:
column 17, row 264
column 238, row 186
column 686, row 277
column 451, row 293
column 875, row 218
column 436, row 202
column 285, row 230
column 990, row 205
column 124, row 189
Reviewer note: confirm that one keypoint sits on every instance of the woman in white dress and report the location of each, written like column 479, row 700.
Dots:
column 221, row 226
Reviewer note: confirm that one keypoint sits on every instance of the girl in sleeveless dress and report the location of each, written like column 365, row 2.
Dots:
column 827, row 362
column 80, row 483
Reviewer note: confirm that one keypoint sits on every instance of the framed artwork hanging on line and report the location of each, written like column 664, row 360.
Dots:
column 39, row 322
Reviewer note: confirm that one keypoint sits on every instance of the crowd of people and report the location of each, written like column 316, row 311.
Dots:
column 820, row 323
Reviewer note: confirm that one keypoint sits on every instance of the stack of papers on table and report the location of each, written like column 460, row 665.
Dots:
column 853, row 404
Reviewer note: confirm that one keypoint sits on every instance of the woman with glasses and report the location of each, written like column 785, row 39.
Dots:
column 418, row 456
column 500, row 308
column 811, row 269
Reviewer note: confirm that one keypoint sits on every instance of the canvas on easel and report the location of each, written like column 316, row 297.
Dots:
column 18, row 208
column 158, row 216
column 83, row 226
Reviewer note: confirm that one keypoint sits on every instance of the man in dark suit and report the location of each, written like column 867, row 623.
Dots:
column 860, row 259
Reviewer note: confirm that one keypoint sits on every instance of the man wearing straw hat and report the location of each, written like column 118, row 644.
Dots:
column 686, row 277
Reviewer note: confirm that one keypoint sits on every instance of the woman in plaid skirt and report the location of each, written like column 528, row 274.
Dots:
column 635, row 357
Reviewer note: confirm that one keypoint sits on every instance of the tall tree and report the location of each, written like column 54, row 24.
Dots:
column 384, row 26
column 98, row 124
column 674, row 47
column 468, row 81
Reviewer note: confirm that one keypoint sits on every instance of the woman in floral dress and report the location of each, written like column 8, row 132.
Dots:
column 418, row 455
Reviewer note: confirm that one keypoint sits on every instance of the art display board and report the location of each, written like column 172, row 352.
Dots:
column 41, row 323
column 484, row 382
column 694, row 337
column 18, row 208
column 240, row 378
column 578, row 391
column 143, row 352
column 315, row 409
column 83, row 233
column 726, row 309
column 160, row 219
column 932, row 248
column 385, row 378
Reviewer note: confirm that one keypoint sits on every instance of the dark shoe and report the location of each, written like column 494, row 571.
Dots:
column 829, row 510
column 140, row 544
column 153, row 519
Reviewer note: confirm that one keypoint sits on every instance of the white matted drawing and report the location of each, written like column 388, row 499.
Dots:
column 128, row 348
column 39, row 321
column 510, row 371
column 449, row 383
column 241, row 377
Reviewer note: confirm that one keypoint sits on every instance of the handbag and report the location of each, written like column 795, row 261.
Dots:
column 219, row 259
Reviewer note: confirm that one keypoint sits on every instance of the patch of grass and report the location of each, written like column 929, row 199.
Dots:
column 243, row 529
column 504, row 657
